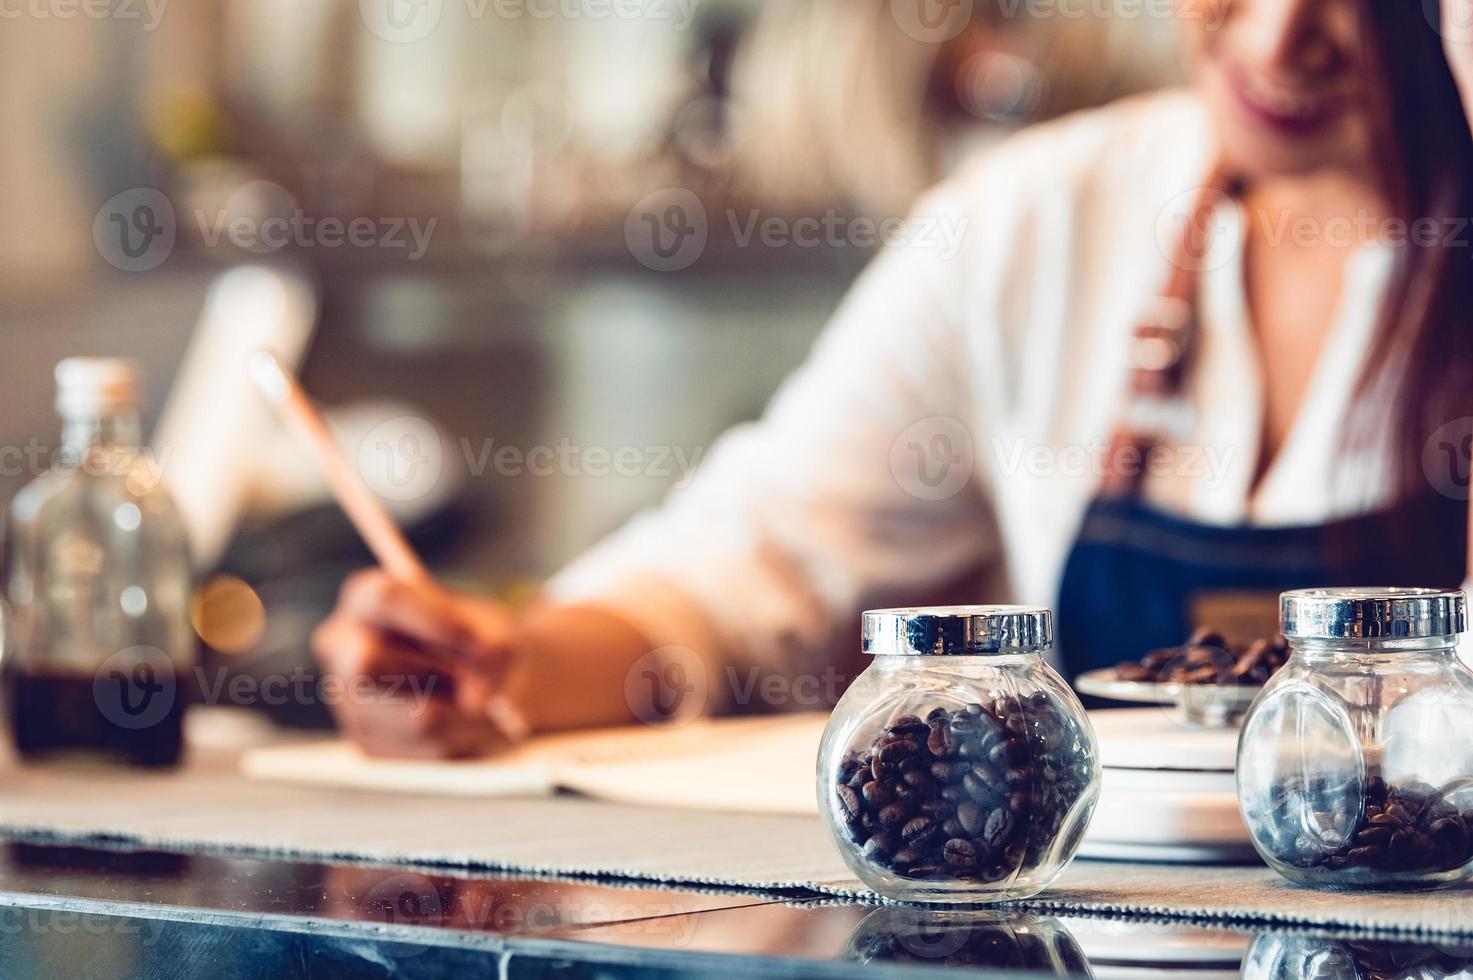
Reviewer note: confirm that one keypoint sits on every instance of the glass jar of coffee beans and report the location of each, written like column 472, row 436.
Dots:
column 1355, row 763
column 959, row 767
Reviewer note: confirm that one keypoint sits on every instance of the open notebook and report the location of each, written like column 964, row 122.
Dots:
column 749, row 765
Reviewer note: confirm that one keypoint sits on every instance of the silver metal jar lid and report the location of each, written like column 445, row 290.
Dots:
column 1372, row 613
column 957, row 631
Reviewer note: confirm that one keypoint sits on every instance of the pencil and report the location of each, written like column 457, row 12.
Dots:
column 366, row 512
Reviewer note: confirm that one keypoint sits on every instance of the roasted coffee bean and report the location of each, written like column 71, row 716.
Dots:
column 977, row 789
column 879, row 847
column 920, row 781
column 1207, row 658
column 919, row 832
column 1403, row 829
column 942, row 741
column 905, row 857
column 908, row 726
column 999, row 827
column 849, row 800
column 1450, row 837
column 981, row 792
column 945, row 772
column 894, row 815
column 971, row 818
column 935, row 806
column 959, row 852
column 1206, row 636
column 896, row 751
column 1373, row 835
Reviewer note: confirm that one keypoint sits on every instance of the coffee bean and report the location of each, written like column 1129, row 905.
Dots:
column 1373, row 835
column 977, row 789
column 935, row 806
column 896, row 751
column 999, row 827
column 849, row 800
column 1401, row 829
column 1450, row 838
column 894, row 815
column 905, row 857
column 879, row 847
column 945, row 772
column 909, row 726
column 942, row 741
column 959, row 852
column 919, row 831
column 919, row 780
column 971, row 793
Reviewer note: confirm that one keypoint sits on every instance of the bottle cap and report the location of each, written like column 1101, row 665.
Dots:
column 92, row 385
column 957, row 631
column 1372, row 613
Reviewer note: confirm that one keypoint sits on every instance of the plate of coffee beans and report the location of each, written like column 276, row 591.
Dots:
column 1211, row 679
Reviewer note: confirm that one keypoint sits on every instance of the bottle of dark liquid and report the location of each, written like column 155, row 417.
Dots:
column 97, row 572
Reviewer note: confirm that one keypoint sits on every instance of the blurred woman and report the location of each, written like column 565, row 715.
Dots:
column 1148, row 365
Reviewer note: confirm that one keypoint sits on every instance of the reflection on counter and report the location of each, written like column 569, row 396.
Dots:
column 1302, row 958
column 987, row 939
column 432, row 920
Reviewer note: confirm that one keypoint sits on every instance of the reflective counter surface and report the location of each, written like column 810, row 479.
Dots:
column 104, row 912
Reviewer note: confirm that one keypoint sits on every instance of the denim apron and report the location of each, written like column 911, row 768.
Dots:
column 1138, row 578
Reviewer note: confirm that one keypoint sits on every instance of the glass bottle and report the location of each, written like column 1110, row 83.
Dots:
column 1355, row 762
column 958, row 767
column 97, row 572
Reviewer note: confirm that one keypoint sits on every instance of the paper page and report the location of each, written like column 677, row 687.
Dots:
column 335, row 763
column 749, row 765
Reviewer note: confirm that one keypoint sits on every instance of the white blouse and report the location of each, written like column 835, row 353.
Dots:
column 951, row 421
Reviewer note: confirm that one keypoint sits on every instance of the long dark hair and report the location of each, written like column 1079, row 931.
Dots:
column 1422, row 358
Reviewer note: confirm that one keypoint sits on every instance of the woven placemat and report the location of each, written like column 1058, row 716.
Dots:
column 209, row 806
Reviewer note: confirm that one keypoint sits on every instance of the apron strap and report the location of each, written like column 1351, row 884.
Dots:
column 1161, row 352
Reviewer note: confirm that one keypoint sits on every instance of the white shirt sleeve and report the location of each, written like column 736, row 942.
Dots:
column 857, row 484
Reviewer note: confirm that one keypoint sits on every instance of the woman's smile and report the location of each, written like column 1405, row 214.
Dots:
column 1287, row 109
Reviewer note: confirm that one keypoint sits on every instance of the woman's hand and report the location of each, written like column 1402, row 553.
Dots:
column 1457, row 40
column 417, row 666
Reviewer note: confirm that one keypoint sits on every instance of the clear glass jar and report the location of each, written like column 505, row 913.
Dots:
column 959, row 767
column 98, row 576
column 1355, row 763
column 987, row 940
column 1275, row 956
